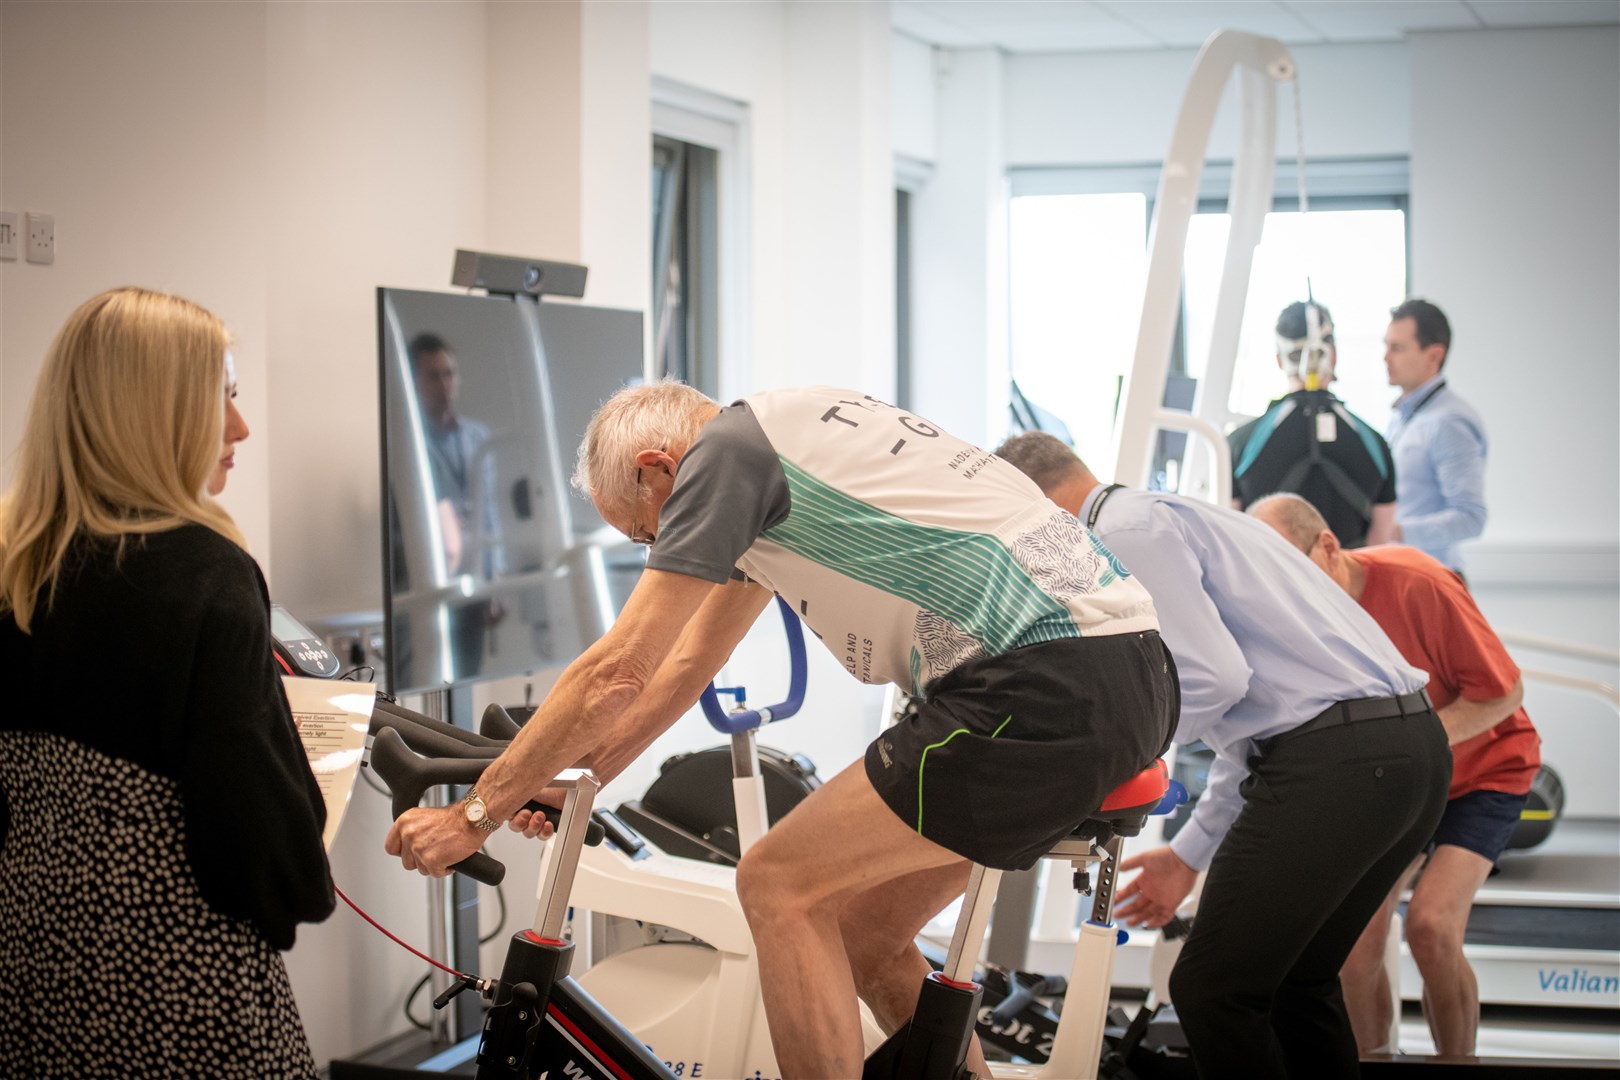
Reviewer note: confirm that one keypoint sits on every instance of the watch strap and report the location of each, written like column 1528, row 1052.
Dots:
column 486, row 824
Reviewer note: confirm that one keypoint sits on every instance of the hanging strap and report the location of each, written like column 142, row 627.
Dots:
column 1343, row 485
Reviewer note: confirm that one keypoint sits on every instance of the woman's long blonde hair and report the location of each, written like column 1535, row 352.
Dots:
column 125, row 429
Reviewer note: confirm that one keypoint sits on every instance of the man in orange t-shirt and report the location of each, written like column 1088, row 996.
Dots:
column 1430, row 616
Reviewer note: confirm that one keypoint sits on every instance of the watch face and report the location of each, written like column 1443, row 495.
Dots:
column 475, row 811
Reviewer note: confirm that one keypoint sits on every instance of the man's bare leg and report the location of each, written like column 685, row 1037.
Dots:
column 879, row 937
column 794, row 884
column 1368, row 997
column 1435, row 921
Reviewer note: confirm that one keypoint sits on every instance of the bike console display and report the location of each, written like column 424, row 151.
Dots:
column 298, row 649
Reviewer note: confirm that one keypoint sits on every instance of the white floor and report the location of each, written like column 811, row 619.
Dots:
column 1536, row 1037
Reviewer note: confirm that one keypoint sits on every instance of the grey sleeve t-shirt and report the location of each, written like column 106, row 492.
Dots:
column 729, row 488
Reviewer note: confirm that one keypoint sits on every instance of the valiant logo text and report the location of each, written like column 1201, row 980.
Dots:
column 1577, row 981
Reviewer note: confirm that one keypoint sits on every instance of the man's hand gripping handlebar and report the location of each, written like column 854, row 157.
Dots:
column 412, row 752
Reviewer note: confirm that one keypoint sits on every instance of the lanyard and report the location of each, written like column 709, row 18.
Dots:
column 1439, row 386
column 1096, row 507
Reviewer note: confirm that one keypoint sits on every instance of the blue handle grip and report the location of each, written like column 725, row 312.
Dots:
column 749, row 719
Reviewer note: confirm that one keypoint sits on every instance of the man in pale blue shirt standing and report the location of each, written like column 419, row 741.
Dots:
column 1437, row 438
column 1331, row 771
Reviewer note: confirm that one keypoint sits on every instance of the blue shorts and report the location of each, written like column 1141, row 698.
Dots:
column 1480, row 821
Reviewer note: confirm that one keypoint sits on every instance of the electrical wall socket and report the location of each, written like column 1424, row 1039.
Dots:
column 41, row 237
column 10, row 227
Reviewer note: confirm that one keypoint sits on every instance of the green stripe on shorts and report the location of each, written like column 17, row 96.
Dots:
column 923, row 764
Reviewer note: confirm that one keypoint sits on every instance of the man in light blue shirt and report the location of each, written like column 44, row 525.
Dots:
column 1330, row 768
column 1437, row 438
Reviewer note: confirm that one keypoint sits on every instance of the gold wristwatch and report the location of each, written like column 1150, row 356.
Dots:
column 477, row 814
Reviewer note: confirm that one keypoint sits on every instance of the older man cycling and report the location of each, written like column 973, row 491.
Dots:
column 917, row 559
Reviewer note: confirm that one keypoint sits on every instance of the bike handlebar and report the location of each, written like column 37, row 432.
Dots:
column 748, row 719
column 400, row 740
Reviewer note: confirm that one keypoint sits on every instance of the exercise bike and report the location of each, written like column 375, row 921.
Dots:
column 541, row 1022
column 542, row 1019
column 688, row 982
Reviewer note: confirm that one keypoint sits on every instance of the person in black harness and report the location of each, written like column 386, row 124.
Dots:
column 1308, row 444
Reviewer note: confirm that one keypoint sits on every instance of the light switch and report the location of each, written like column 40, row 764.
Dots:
column 10, row 224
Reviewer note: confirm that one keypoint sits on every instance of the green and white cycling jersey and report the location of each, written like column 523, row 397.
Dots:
column 907, row 551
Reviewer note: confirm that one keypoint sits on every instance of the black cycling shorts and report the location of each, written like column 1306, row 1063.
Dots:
column 1011, row 753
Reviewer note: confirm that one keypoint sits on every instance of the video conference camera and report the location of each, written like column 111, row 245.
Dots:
column 507, row 275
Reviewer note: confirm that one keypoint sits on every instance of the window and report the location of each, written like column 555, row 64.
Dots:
column 1076, row 266
column 700, row 324
column 1078, row 263
column 910, row 175
column 1357, row 262
column 685, row 263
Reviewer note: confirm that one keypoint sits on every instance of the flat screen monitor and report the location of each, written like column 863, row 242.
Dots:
column 493, row 566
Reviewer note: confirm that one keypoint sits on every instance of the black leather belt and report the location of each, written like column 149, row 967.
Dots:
column 1354, row 712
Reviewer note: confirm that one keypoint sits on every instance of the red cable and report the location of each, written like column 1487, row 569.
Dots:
column 394, row 939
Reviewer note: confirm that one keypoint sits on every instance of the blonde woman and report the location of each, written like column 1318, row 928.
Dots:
column 160, row 831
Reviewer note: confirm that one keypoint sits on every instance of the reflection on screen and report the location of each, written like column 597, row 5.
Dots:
column 485, row 575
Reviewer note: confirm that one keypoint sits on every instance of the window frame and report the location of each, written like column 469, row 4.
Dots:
column 704, row 119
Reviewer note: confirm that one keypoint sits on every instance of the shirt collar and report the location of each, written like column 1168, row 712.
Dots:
column 1408, row 401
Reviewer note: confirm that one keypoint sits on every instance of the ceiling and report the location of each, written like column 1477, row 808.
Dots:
column 1101, row 25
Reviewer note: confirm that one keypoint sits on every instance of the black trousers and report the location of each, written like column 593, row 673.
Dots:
column 1330, row 819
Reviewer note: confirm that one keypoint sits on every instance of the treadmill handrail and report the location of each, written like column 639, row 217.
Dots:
column 1562, row 648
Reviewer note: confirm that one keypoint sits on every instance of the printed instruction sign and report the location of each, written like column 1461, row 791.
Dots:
column 332, row 717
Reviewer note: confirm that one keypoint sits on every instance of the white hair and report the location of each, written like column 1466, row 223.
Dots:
column 663, row 415
column 1298, row 521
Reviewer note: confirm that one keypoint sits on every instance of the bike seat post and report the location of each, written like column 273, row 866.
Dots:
column 557, row 879
column 968, row 936
column 748, row 789
column 1102, row 903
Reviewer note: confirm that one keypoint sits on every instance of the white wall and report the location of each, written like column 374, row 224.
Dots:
column 142, row 129
column 959, row 243
column 914, row 65
column 1516, row 234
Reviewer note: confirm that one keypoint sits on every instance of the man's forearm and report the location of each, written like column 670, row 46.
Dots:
column 1464, row 719
column 705, row 645
column 673, row 691
column 561, row 733
column 1382, row 529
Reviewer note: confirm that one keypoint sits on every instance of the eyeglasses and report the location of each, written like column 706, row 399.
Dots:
column 637, row 534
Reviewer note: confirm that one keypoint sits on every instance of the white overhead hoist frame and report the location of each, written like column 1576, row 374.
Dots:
column 1261, row 64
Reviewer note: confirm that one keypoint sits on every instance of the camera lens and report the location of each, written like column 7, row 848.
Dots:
column 531, row 277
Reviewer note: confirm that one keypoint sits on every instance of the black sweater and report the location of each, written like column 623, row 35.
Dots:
column 161, row 657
